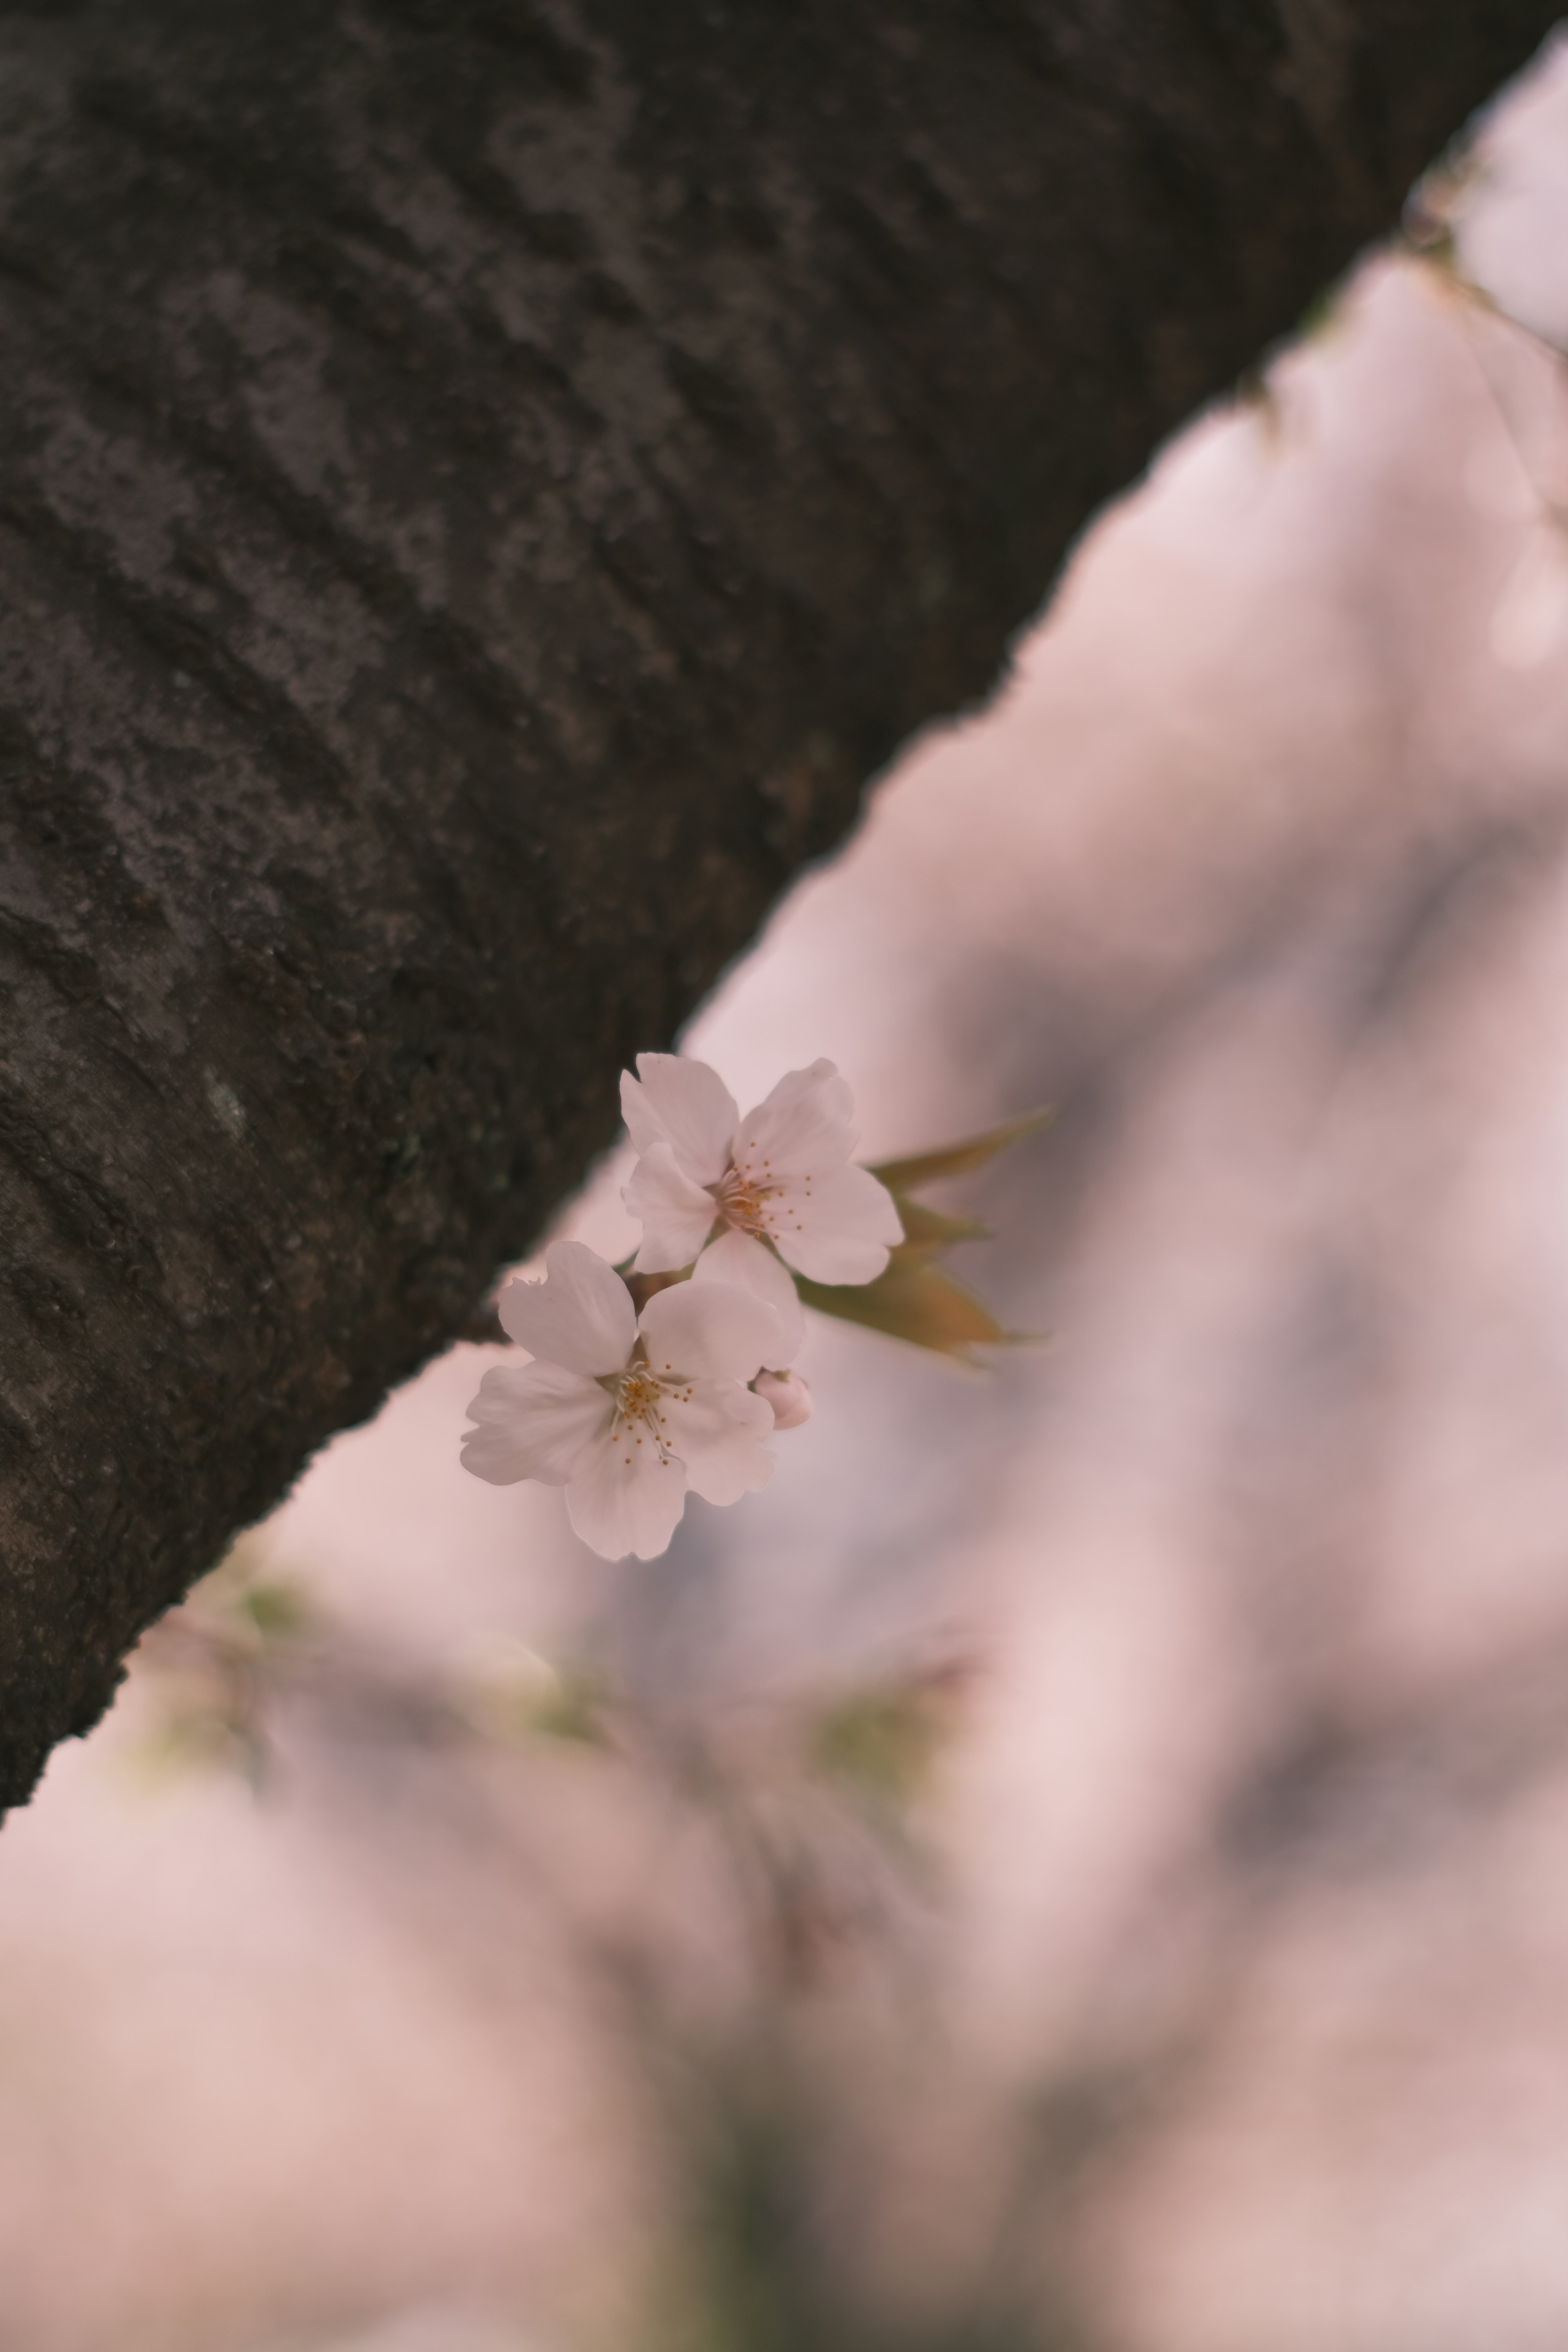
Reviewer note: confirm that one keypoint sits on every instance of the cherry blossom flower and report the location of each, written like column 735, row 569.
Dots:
column 627, row 1412
column 739, row 1196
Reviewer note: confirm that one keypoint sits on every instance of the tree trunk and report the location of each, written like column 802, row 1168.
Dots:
column 482, row 483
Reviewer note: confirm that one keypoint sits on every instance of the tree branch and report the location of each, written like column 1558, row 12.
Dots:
column 482, row 483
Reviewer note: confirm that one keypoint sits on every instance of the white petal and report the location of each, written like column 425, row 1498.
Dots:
column 624, row 1497
column 737, row 1257
column 806, row 1123
column 676, row 1215
column 718, row 1428
column 684, row 1104
column 707, row 1331
column 835, row 1227
column 581, row 1314
column 534, row 1422
column 787, row 1395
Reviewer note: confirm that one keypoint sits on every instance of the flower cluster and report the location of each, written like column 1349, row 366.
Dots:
column 631, row 1412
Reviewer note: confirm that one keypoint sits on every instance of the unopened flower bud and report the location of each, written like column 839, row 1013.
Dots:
column 788, row 1395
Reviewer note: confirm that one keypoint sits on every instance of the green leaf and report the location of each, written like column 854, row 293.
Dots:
column 509, row 1692
column 573, row 1711
column 277, row 1610
column 957, row 1159
column 882, row 1740
column 915, row 1302
column 927, row 1230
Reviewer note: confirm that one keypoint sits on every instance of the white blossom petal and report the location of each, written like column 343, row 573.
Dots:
column 737, row 1257
column 534, row 1422
column 686, row 1105
column 676, row 1215
column 836, row 1226
column 627, row 1498
column 712, row 1331
column 805, row 1124
column 718, row 1428
column 581, row 1314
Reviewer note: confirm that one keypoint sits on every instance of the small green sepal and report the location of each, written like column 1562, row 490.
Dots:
column 957, row 1159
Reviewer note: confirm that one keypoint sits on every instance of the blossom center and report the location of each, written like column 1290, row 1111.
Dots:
column 640, row 1419
column 637, row 1397
column 744, row 1198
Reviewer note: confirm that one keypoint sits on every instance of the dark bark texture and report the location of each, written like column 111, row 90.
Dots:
column 482, row 484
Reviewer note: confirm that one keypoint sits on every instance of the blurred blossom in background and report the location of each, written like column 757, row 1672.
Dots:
column 1080, row 1864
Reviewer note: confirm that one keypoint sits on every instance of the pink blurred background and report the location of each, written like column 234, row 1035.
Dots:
column 1082, row 1860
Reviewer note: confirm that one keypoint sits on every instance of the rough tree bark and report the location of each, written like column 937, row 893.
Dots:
column 482, row 483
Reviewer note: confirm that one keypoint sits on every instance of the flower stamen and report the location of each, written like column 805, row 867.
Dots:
column 638, row 1396
column 743, row 1202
